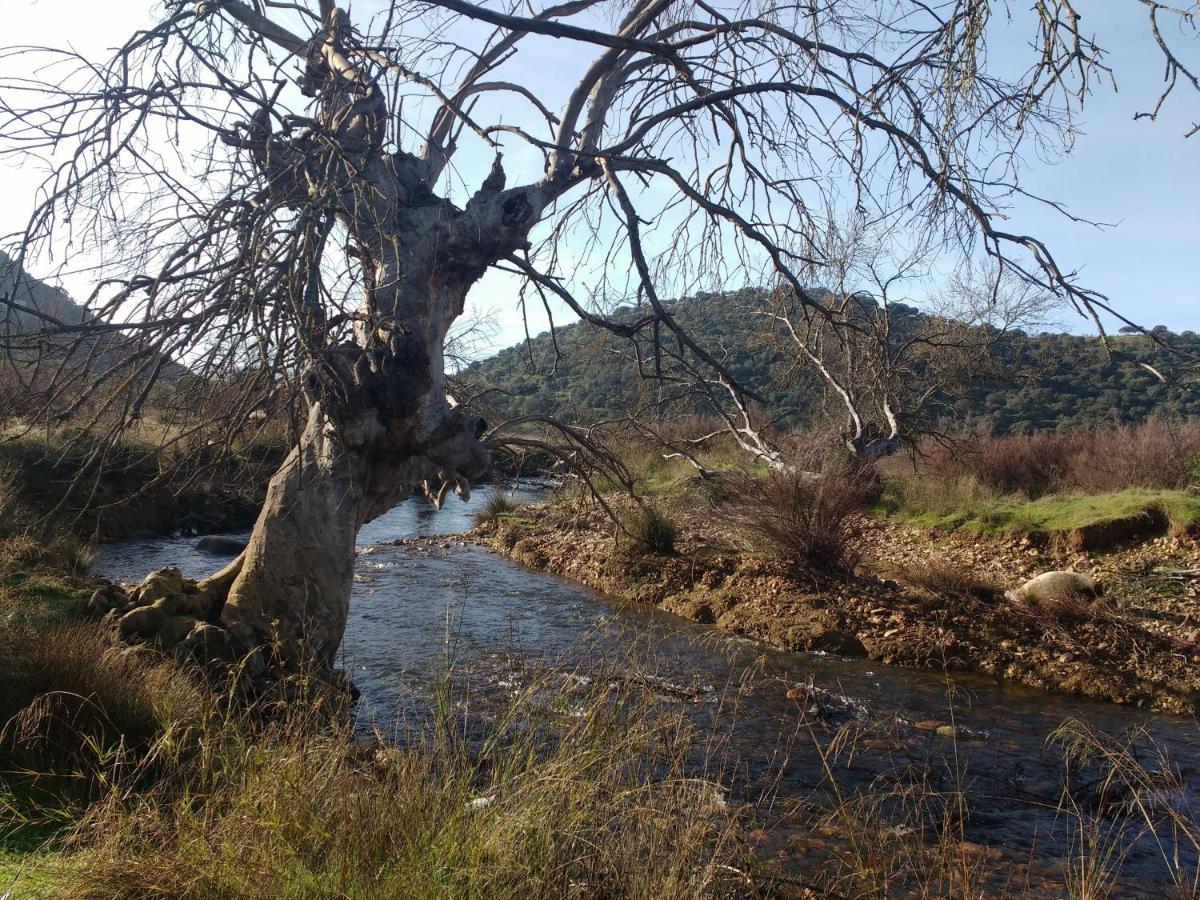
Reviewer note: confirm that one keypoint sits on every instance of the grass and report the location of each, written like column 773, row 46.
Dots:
column 965, row 505
column 554, row 794
column 497, row 505
column 652, row 529
column 944, row 580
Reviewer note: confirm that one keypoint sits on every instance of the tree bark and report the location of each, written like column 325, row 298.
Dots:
column 379, row 428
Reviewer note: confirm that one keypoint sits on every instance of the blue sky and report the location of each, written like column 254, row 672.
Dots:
column 1139, row 176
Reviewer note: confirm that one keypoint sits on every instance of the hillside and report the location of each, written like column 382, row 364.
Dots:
column 24, row 291
column 1041, row 381
column 23, row 332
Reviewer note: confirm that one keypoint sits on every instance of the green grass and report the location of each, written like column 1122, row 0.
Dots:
column 965, row 505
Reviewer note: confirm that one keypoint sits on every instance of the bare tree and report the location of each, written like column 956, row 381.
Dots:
column 888, row 370
column 272, row 186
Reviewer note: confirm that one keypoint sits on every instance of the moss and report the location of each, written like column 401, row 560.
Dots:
column 1056, row 513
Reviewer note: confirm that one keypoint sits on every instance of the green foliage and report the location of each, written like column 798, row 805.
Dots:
column 498, row 504
column 1050, row 381
column 963, row 505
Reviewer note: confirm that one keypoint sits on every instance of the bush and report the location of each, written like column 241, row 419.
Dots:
column 802, row 515
column 652, row 529
column 497, row 504
column 1157, row 454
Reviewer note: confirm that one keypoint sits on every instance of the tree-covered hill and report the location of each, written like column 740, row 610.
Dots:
column 1037, row 381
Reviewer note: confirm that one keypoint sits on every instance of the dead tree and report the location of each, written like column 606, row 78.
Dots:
column 270, row 184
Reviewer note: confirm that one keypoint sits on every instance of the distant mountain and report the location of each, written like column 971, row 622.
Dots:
column 1042, row 381
column 18, row 289
column 33, row 355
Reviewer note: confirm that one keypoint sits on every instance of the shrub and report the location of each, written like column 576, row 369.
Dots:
column 1032, row 465
column 802, row 515
column 497, row 504
column 1156, row 454
column 652, row 529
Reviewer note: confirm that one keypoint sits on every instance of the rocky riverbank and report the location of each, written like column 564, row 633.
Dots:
column 917, row 598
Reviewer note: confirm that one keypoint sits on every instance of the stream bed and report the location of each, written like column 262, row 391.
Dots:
column 433, row 604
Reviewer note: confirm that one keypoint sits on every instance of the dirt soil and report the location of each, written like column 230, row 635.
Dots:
column 917, row 598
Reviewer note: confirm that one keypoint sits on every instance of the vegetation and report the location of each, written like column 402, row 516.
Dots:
column 801, row 515
column 652, row 529
column 148, row 784
column 1051, row 482
column 498, row 504
column 1037, row 382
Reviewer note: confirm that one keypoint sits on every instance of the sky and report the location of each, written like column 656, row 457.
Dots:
column 1139, row 176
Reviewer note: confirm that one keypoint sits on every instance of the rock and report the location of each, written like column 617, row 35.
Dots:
column 168, row 604
column 173, row 630
column 1051, row 586
column 219, row 545
column 105, row 598
column 143, row 622
column 207, row 643
column 163, row 583
column 194, row 603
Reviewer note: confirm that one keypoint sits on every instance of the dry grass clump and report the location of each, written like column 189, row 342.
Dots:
column 652, row 529
column 586, row 799
column 944, row 580
column 1066, row 610
column 802, row 515
column 73, row 700
column 497, row 504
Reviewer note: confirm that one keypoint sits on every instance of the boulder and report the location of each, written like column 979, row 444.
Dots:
column 1051, row 586
column 143, row 622
column 173, row 630
column 206, row 643
column 164, row 583
column 219, row 545
column 194, row 602
column 105, row 598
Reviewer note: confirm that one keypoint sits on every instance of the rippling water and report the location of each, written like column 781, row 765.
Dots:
column 433, row 605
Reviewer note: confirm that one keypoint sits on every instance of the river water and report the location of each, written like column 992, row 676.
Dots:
column 432, row 605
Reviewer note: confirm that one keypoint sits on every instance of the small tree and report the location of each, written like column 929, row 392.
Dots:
column 272, row 187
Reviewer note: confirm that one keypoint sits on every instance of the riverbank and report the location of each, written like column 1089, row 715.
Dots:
column 918, row 597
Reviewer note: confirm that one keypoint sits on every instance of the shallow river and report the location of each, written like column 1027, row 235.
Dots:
column 432, row 605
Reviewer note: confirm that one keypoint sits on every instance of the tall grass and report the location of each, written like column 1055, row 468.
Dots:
column 497, row 504
column 553, row 794
column 651, row 529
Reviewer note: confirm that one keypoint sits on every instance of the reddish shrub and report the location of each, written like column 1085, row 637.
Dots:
column 802, row 515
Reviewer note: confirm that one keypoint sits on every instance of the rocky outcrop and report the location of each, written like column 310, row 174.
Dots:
column 170, row 613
